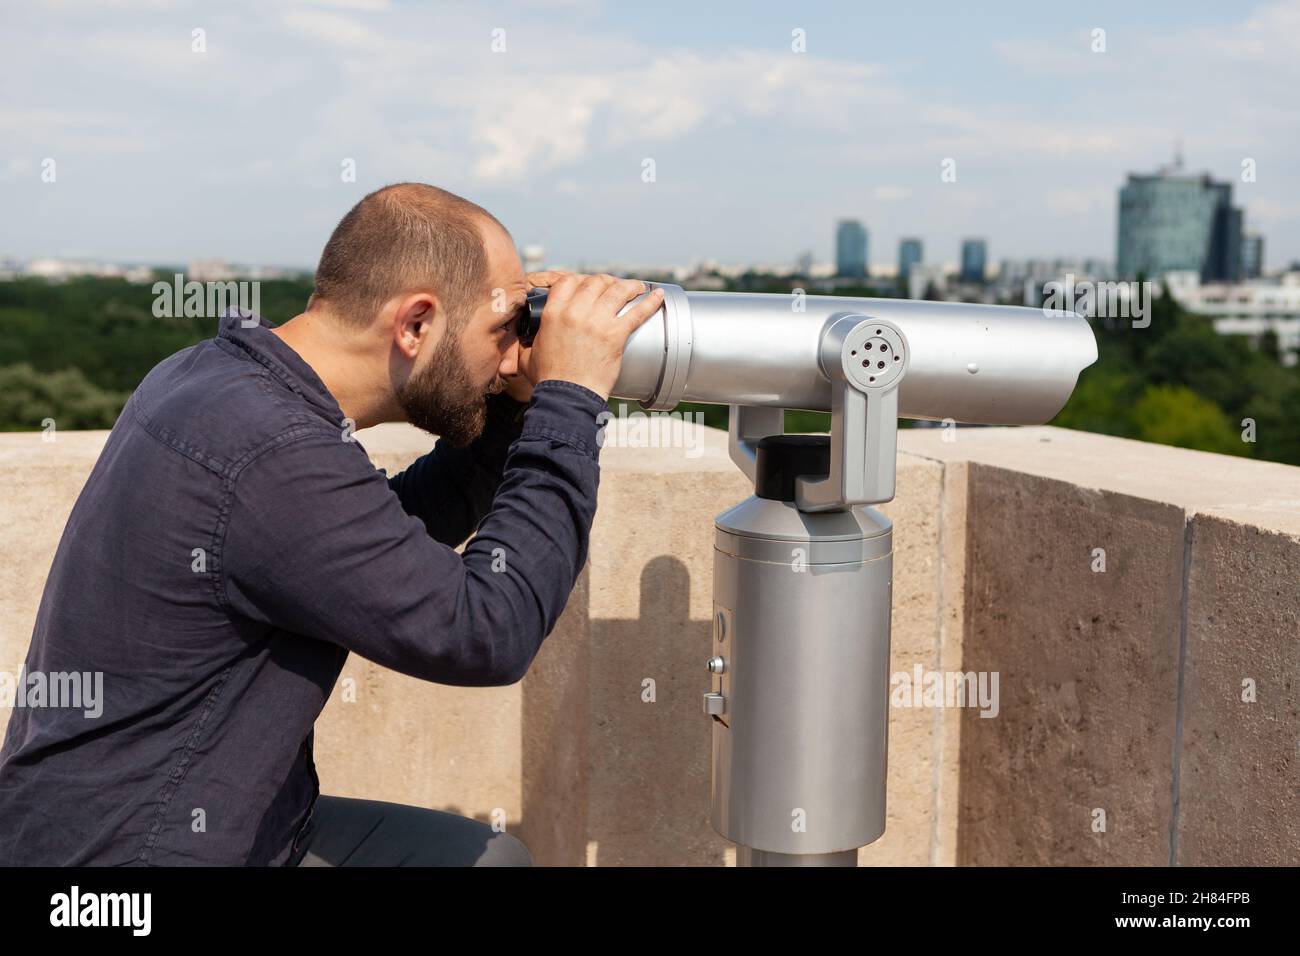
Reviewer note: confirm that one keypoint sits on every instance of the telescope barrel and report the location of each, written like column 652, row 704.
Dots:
column 981, row 364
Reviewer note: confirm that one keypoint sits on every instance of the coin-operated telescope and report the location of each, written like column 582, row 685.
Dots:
column 802, row 570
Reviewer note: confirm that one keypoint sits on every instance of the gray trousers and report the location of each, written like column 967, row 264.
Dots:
column 344, row 831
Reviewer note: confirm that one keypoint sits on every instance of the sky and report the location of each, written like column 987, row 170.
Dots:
column 164, row 153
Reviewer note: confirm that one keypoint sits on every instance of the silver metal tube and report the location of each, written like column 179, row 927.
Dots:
column 986, row 364
column 800, row 681
column 748, row 856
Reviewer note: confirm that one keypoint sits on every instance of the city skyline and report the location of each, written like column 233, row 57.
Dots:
column 852, row 242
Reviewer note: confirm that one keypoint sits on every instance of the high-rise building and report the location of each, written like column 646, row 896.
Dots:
column 973, row 255
column 851, row 249
column 910, row 253
column 1252, row 257
column 534, row 257
column 1223, row 261
column 925, row 282
column 1172, row 222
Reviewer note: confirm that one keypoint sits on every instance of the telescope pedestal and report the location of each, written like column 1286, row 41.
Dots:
column 748, row 856
column 799, row 671
column 802, row 578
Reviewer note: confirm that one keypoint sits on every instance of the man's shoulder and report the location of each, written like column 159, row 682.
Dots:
column 216, row 405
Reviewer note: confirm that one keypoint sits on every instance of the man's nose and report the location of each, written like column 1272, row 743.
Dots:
column 510, row 361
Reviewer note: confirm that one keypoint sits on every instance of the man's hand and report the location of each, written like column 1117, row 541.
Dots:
column 520, row 386
column 582, row 336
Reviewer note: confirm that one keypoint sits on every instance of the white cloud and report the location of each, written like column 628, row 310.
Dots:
column 333, row 28
column 368, row 5
column 1080, row 202
column 891, row 193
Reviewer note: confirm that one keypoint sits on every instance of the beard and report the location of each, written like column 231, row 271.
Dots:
column 444, row 400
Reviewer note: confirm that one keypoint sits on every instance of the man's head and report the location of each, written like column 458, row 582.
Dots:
column 426, row 285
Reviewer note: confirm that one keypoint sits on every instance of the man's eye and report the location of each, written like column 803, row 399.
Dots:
column 515, row 316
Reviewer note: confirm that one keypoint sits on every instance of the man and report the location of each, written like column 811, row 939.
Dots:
column 233, row 544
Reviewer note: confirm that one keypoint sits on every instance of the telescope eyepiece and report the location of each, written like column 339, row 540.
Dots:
column 530, row 316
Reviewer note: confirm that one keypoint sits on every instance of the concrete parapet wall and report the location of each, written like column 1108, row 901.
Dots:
column 1121, row 734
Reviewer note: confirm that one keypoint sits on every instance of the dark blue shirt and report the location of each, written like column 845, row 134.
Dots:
column 232, row 545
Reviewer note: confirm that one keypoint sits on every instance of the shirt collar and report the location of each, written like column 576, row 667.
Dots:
column 252, row 333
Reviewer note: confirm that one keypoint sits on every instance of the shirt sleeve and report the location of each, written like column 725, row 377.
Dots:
column 317, row 543
column 450, row 489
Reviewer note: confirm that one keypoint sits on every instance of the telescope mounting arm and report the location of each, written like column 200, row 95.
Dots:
column 865, row 360
column 746, row 424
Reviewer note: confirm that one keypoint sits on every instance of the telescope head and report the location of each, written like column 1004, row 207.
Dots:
column 867, row 361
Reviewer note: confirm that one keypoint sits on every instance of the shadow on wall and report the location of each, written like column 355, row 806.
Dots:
column 616, row 747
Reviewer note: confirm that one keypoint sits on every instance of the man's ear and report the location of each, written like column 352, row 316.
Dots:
column 418, row 322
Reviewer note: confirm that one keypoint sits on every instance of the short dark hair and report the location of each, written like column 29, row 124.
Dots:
column 403, row 238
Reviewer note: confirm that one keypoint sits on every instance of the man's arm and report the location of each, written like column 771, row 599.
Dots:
column 450, row 489
column 317, row 543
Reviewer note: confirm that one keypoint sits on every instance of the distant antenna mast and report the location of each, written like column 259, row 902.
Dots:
column 1178, row 155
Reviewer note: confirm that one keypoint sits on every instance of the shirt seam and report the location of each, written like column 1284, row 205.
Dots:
column 169, row 439
column 229, row 475
column 228, row 498
column 221, row 467
column 268, row 361
column 176, row 778
column 566, row 385
column 544, row 431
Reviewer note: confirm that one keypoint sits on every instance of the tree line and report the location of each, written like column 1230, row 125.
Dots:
column 73, row 351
